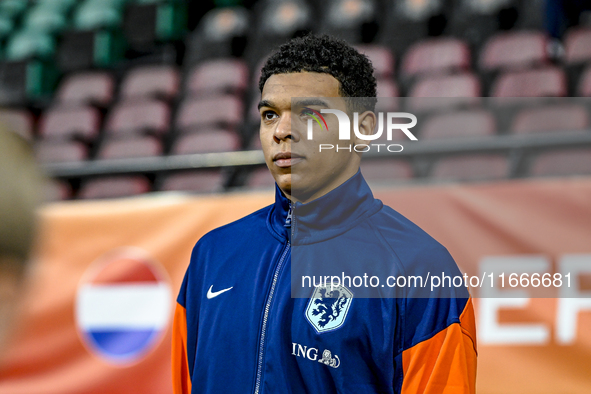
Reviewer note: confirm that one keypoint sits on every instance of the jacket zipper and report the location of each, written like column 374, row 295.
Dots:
column 265, row 320
column 257, row 387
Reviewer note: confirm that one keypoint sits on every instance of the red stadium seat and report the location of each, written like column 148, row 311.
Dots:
column 156, row 81
column 225, row 112
column 576, row 161
column 218, row 76
column 459, row 85
column 449, row 91
column 384, row 170
column 550, row 118
column 471, row 168
column 460, row 124
column 19, row 121
column 139, row 116
column 130, row 147
column 514, row 50
column 260, row 178
column 114, row 187
column 584, row 88
column 544, row 82
column 578, row 46
column 206, row 141
column 203, row 181
column 69, row 122
column 381, row 58
column 435, row 56
column 48, row 152
column 94, row 87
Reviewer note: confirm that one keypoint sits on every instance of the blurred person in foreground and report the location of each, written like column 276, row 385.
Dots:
column 19, row 197
column 237, row 327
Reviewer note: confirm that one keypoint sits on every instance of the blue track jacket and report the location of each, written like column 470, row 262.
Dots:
column 237, row 328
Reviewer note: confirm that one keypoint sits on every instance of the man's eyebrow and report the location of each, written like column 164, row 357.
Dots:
column 310, row 102
column 265, row 103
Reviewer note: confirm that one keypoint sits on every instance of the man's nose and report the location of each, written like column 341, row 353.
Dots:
column 283, row 131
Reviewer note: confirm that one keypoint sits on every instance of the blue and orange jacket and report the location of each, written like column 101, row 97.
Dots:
column 256, row 338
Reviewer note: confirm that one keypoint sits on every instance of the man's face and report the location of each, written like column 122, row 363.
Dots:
column 300, row 170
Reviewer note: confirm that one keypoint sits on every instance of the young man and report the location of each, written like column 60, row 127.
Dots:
column 237, row 328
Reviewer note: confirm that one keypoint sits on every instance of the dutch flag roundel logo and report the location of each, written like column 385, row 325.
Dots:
column 123, row 305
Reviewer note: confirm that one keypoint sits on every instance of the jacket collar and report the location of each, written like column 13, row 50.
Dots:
column 326, row 217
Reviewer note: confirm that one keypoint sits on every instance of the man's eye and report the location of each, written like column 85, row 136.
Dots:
column 269, row 115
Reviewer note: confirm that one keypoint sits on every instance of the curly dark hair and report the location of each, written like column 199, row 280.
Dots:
column 329, row 55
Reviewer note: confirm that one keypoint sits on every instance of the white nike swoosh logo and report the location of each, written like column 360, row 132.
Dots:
column 211, row 294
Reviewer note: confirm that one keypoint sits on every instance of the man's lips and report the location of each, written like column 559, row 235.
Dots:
column 286, row 159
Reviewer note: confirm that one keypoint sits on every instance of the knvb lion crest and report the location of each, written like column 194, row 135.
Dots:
column 328, row 307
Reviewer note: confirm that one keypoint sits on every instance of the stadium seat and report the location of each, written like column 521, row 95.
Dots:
column 147, row 23
column 114, row 187
column 350, row 20
column 545, row 82
column 203, row 181
column 26, row 44
column 138, row 117
column 6, row 26
column 48, row 152
column 563, row 162
column 206, row 141
column 458, row 85
column 19, row 121
column 477, row 20
column 511, row 50
column 584, row 88
column 578, row 45
column 92, row 15
column 459, row 124
column 225, row 112
column 130, row 147
column 551, row 118
column 157, row 81
column 92, row 87
column 260, row 178
column 218, row 76
column 60, row 5
column 408, row 21
column 46, row 18
column 445, row 91
column 471, row 168
column 13, row 8
column 25, row 80
column 221, row 32
column 384, row 170
column 436, row 56
column 283, row 18
column 86, row 49
column 381, row 58
column 81, row 122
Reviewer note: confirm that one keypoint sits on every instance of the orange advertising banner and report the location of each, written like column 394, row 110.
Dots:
column 97, row 309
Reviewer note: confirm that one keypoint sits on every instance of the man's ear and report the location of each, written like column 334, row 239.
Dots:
column 367, row 124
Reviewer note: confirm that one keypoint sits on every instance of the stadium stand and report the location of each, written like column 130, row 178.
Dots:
column 97, row 80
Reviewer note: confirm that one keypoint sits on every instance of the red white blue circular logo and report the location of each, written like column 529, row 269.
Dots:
column 123, row 305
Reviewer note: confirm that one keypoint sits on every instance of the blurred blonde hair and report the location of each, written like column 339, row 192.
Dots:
column 20, row 183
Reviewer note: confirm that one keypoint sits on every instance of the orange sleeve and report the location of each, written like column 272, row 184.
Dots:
column 181, row 379
column 444, row 363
